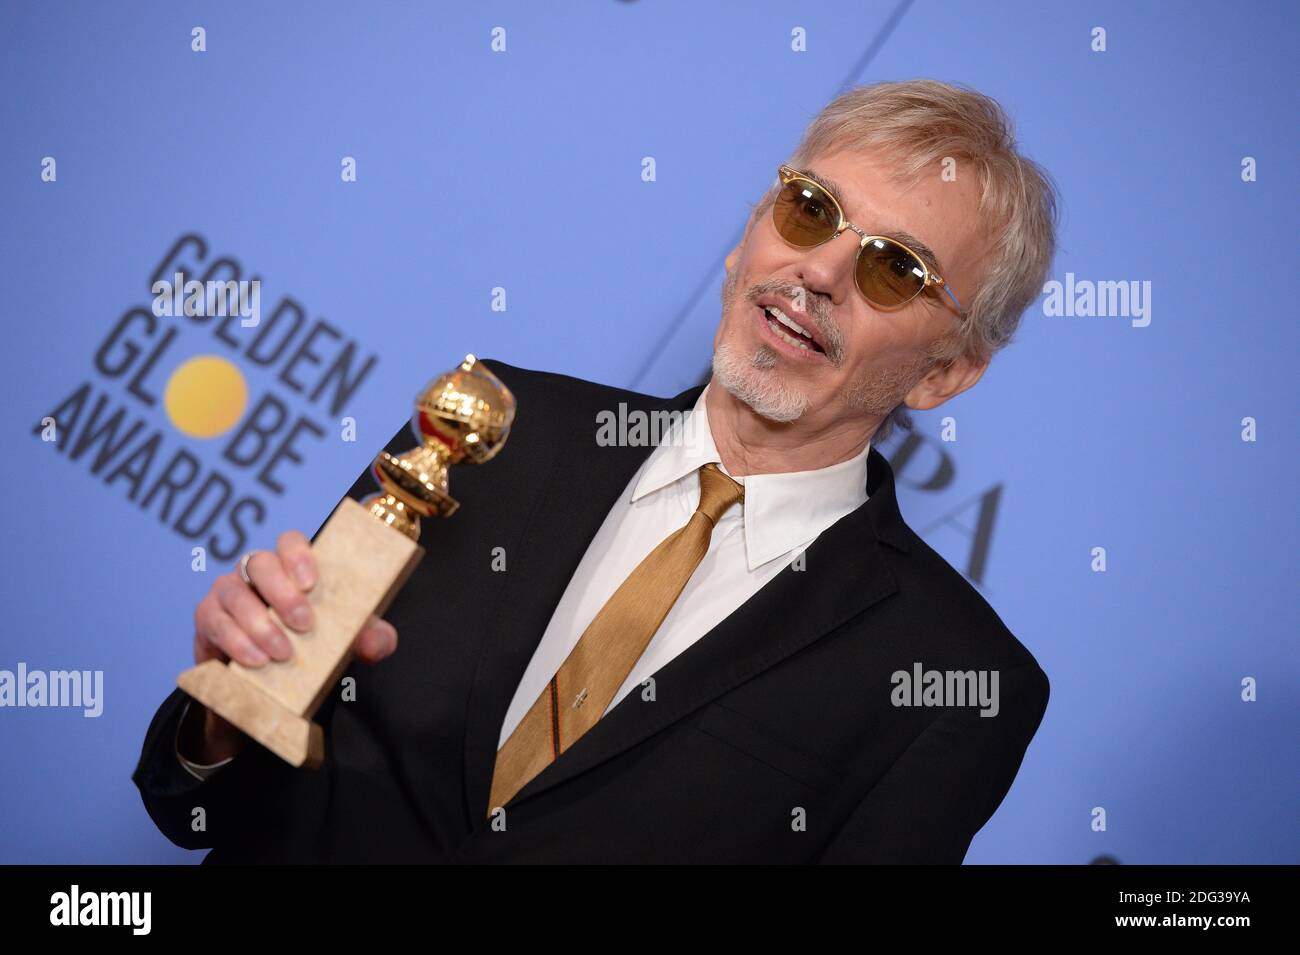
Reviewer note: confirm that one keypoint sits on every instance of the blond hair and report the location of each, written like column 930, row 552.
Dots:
column 918, row 123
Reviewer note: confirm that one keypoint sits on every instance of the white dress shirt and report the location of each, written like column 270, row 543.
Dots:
column 779, row 518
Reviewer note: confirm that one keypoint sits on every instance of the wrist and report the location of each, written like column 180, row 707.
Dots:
column 206, row 738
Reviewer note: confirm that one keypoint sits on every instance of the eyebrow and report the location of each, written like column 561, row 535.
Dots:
column 902, row 235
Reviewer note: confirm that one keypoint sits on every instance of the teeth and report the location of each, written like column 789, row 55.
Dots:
column 785, row 336
column 787, row 321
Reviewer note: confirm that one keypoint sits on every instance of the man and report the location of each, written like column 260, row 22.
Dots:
column 701, row 651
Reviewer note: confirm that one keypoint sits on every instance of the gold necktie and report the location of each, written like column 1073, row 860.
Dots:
column 581, row 690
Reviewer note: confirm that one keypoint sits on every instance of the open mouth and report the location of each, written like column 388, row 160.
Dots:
column 789, row 331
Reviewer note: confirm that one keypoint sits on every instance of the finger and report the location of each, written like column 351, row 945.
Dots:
column 220, row 629
column 295, row 553
column 268, row 575
column 204, row 648
column 377, row 641
column 252, row 617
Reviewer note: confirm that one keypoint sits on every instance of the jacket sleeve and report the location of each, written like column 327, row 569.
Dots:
column 947, row 783
column 202, row 813
column 187, row 810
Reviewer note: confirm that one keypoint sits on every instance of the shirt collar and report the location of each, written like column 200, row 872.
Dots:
column 781, row 511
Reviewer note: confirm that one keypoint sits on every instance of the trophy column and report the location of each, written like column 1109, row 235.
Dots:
column 364, row 554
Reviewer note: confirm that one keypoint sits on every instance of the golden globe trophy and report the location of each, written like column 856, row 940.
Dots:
column 364, row 555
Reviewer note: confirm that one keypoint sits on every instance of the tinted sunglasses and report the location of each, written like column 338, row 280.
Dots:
column 887, row 272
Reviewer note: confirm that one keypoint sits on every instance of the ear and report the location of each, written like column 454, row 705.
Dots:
column 731, row 258
column 944, row 381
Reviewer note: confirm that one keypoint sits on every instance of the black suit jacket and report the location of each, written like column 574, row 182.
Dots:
column 771, row 739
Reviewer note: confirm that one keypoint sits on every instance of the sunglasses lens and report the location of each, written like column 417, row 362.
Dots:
column 803, row 214
column 888, row 274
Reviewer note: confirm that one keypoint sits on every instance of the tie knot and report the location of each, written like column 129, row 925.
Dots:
column 717, row 492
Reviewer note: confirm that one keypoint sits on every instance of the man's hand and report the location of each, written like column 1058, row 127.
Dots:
column 232, row 622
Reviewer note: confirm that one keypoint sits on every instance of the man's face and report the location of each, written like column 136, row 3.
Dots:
column 868, row 359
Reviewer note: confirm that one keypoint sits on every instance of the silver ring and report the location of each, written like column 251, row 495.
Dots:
column 243, row 568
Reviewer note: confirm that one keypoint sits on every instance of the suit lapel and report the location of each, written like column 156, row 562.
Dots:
column 845, row 574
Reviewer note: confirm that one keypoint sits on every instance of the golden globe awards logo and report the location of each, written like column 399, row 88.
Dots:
column 147, row 363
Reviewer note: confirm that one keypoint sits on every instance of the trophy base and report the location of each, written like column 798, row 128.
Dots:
column 296, row 740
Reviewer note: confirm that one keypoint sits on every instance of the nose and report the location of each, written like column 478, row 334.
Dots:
column 828, row 268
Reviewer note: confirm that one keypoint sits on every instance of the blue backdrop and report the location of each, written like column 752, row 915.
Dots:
column 521, row 170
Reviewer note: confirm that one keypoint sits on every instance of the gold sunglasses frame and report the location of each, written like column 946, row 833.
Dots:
column 788, row 174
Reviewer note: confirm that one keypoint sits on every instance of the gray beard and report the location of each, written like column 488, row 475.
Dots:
column 750, row 380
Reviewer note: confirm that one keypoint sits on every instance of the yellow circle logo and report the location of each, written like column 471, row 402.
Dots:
column 205, row 396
